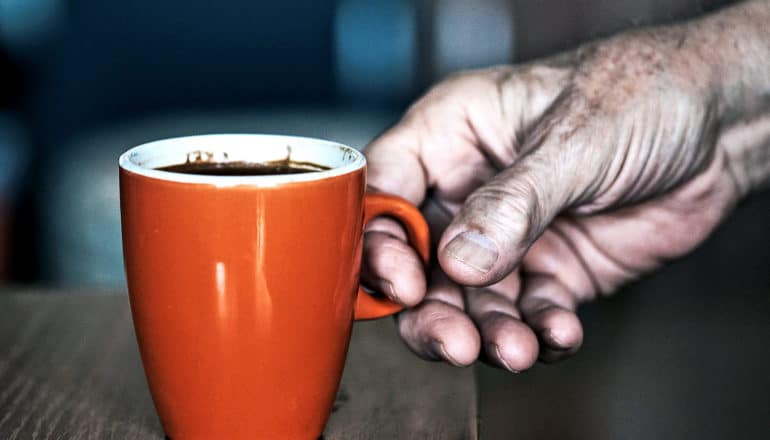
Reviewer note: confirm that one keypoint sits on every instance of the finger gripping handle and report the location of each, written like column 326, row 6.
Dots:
column 375, row 205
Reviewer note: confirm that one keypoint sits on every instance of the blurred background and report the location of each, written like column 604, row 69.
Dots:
column 83, row 80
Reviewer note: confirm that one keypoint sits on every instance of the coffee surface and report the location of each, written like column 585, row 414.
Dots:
column 239, row 168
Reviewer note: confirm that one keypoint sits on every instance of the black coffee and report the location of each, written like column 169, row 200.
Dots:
column 244, row 168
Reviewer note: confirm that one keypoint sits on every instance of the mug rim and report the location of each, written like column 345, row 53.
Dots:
column 137, row 159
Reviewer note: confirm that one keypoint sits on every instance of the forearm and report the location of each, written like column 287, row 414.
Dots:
column 735, row 45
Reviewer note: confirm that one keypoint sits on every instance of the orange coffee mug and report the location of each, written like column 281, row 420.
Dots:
column 244, row 289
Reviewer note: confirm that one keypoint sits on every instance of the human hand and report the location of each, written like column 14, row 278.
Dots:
column 545, row 186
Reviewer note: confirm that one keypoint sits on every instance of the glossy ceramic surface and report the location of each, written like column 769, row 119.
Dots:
column 243, row 292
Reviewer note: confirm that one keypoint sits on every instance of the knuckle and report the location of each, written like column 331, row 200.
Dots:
column 482, row 304
column 494, row 321
column 390, row 254
column 434, row 317
column 382, row 228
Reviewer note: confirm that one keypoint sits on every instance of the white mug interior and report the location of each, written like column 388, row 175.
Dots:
column 145, row 159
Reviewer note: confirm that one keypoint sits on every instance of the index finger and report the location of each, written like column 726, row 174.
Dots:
column 450, row 140
column 394, row 164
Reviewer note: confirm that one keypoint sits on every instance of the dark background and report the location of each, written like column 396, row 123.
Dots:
column 681, row 354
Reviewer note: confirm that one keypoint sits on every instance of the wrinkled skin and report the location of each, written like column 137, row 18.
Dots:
column 546, row 185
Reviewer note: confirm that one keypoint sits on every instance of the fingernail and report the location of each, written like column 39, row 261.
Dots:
column 473, row 249
column 501, row 359
column 437, row 348
column 555, row 342
column 390, row 291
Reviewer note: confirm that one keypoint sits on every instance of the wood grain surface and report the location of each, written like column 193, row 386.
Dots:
column 70, row 369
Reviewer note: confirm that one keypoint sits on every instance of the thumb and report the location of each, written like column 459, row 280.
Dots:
column 500, row 220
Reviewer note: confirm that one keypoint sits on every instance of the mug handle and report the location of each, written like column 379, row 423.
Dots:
column 375, row 205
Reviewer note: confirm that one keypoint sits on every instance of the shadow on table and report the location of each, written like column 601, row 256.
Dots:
column 680, row 354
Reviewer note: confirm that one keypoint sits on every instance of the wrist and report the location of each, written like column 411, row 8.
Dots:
column 733, row 46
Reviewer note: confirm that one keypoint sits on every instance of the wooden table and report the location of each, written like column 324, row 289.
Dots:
column 70, row 369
